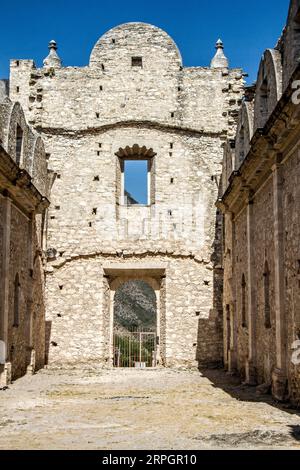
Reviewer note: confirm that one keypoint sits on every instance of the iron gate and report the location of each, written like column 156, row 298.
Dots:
column 134, row 348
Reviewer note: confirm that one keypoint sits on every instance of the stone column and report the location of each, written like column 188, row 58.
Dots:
column 226, row 335
column 110, row 354
column 279, row 376
column 232, row 362
column 158, row 355
column 251, row 362
column 30, row 346
column 230, row 230
column 5, row 367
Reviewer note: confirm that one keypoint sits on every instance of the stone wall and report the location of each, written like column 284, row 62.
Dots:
column 263, row 241
column 289, row 43
column 23, row 202
column 4, row 89
column 240, row 270
column 18, row 333
column 291, row 177
column 191, row 327
column 260, row 201
column 181, row 116
column 192, row 210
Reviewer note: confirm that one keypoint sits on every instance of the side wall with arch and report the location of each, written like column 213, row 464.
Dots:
column 289, row 44
column 32, row 156
column 23, row 188
column 244, row 133
column 268, row 87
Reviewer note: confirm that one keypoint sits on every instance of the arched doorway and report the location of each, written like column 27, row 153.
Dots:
column 135, row 325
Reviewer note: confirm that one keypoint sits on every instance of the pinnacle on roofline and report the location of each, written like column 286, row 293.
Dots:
column 53, row 59
column 219, row 60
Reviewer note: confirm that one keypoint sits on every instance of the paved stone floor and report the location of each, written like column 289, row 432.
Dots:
column 130, row 409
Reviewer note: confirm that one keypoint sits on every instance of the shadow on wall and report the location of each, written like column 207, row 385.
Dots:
column 210, row 331
column 295, row 432
column 48, row 325
column 209, row 342
column 232, row 385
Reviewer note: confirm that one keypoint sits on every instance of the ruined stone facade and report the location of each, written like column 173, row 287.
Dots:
column 134, row 100
column 261, row 204
column 23, row 204
column 226, row 286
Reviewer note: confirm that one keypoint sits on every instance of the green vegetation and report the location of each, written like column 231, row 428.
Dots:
column 133, row 348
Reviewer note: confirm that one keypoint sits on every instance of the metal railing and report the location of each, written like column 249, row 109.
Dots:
column 134, row 348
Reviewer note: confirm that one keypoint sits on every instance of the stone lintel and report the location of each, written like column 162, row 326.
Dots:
column 135, row 269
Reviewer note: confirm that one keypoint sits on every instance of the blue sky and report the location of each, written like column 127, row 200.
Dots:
column 136, row 180
column 247, row 28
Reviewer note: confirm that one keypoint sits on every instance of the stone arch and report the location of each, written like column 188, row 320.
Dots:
column 38, row 165
column 134, row 152
column 244, row 133
column 5, row 111
column 116, row 48
column 118, row 282
column 18, row 129
column 268, row 87
column 116, row 274
column 289, row 44
column 132, row 289
column 227, row 165
column 128, row 293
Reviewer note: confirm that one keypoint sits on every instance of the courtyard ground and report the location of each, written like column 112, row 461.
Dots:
column 150, row 409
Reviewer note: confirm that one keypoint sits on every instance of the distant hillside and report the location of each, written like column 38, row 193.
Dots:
column 130, row 201
column 135, row 306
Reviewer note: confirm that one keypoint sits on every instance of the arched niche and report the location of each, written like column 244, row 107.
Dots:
column 5, row 111
column 117, row 275
column 135, row 322
column 18, row 136
column 38, row 167
column 134, row 153
column 135, row 305
column 268, row 87
column 244, row 133
column 289, row 43
column 227, row 165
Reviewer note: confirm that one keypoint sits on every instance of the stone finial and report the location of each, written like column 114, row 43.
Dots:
column 52, row 60
column 219, row 60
